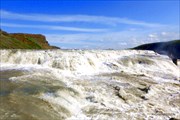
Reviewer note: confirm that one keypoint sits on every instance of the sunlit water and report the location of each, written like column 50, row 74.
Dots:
column 85, row 85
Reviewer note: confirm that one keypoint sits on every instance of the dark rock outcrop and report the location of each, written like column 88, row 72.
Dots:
column 170, row 48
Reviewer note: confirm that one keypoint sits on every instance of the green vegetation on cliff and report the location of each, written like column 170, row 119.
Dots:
column 23, row 41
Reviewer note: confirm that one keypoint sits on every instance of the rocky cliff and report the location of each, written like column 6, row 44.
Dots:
column 170, row 48
column 23, row 41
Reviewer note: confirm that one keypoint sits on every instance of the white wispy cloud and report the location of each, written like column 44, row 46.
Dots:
column 51, row 27
column 75, row 18
column 115, row 40
column 101, row 38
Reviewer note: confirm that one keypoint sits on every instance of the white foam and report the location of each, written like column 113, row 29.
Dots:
column 79, row 71
column 87, row 62
column 64, row 99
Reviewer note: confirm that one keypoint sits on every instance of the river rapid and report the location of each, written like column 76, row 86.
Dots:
column 88, row 85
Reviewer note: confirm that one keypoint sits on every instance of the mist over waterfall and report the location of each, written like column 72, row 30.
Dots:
column 88, row 85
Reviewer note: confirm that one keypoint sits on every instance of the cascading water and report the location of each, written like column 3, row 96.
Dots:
column 88, row 84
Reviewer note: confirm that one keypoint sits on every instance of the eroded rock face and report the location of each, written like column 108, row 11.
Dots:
column 26, row 38
column 24, row 41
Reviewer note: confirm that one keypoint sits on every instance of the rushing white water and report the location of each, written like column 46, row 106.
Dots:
column 89, row 84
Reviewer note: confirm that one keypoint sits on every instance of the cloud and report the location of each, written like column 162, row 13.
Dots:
column 51, row 27
column 75, row 18
column 134, row 34
column 115, row 40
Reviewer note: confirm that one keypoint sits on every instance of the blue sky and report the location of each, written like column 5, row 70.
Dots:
column 94, row 24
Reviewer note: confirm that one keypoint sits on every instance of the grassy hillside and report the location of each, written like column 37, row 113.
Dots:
column 23, row 41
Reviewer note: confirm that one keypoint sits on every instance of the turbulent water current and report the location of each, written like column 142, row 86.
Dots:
column 88, row 85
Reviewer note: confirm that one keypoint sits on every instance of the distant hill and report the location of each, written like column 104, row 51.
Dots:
column 170, row 48
column 23, row 41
